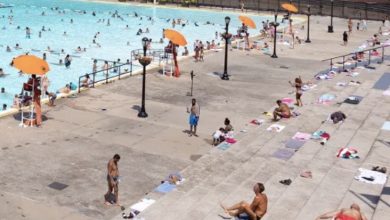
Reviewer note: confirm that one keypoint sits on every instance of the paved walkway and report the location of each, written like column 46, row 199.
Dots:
column 79, row 138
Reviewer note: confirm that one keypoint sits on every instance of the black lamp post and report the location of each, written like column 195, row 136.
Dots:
column 308, row 25
column 144, row 61
column 275, row 25
column 330, row 27
column 227, row 36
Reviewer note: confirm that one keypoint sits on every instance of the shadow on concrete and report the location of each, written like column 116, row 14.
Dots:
column 27, row 115
column 136, row 107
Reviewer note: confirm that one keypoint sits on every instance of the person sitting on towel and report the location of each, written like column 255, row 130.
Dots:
column 52, row 96
column 353, row 213
column 254, row 211
column 283, row 111
column 218, row 136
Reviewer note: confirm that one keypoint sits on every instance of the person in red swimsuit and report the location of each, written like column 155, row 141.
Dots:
column 353, row 213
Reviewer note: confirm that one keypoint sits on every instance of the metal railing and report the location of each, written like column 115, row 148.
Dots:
column 118, row 69
column 106, row 74
column 344, row 9
column 359, row 57
column 155, row 54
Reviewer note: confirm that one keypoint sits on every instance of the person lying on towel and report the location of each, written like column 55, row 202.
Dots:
column 352, row 213
column 283, row 111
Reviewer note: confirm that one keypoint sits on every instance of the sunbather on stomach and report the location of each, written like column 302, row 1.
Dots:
column 352, row 213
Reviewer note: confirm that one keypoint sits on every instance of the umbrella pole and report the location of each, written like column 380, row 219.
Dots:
column 32, row 106
column 21, row 117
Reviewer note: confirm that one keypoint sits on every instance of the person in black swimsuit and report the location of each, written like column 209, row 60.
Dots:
column 298, row 93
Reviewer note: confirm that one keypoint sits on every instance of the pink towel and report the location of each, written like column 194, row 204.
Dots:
column 287, row 100
column 301, row 136
column 231, row 140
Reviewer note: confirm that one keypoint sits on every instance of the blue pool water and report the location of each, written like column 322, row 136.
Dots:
column 113, row 38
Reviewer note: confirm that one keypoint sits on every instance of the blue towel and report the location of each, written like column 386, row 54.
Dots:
column 223, row 146
column 383, row 83
column 165, row 187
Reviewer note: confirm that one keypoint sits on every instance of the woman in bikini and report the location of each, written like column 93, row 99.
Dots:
column 298, row 93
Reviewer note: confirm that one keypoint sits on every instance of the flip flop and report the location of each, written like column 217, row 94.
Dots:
column 306, row 174
column 225, row 216
column 382, row 170
column 286, row 182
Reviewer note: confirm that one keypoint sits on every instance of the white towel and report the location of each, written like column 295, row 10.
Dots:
column 143, row 204
column 379, row 178
column 276, row 128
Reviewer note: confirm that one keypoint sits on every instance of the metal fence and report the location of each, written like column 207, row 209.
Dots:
column 117, row 70
column 343, row 9
column 362, row 58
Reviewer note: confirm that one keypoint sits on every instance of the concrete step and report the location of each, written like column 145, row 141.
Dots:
column 226, row 175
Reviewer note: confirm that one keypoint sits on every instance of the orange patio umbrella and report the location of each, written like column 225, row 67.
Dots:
column 31, row 64
column 176, row 37
column 290, row 7
column 247, row 21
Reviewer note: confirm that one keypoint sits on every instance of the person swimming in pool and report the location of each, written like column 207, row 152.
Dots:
column 28, row 32
column 2, row 74
column 8, row 49
column 68, row 61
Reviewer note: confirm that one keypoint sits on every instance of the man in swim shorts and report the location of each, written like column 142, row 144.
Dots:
column 194, row 117
column 254, row 211
column 283, row 111
column 112, row 180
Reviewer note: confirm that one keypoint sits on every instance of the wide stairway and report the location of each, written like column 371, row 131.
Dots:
column 228, row 176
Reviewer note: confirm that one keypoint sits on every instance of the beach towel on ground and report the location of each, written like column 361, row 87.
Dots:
column 308, row 87
column 288, row 101
column 326, row 98
column 276, row 128
column 369, row 176
column 223, row 146
column 295, row 144
column 353, row 99
column 283, row 153
column 386, row 126
column 353, row 74
column 387, row 93
column 143, row 204
column 317, row 135
column 327, row 75
column 257, row 121
column 165, row 187
column 231, row 140
column 383, row 83
column 295, row 114
column 301, row 136
column 348, row 153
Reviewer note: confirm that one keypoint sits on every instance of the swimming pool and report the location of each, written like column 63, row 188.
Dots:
column 77, row 19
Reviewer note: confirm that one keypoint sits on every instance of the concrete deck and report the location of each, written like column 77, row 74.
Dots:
column 78, row 139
